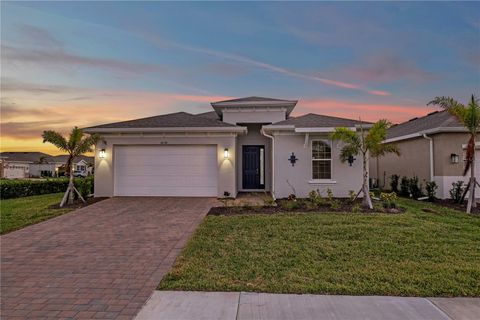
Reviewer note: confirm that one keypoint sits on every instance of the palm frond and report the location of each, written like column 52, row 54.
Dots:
column 347, row 151
column 86, row 144
column 56, row 139
column 377, row 134
column 75, row 137
column 383, row 149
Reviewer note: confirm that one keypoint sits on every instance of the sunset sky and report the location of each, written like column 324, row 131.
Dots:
column 66, row 64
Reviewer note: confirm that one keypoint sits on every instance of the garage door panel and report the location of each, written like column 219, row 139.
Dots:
column 166, row 170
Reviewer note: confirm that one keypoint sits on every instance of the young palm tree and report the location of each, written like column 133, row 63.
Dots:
column 76, row 145
column 368, row 143
column 469, row 116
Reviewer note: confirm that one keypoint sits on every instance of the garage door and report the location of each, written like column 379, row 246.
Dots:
column 188, row 171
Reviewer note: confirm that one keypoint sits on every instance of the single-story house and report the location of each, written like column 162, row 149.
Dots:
column 21, row 165
column 432, row 148
column 246, row 144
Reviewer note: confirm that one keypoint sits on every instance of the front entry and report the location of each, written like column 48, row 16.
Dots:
column 253, row 167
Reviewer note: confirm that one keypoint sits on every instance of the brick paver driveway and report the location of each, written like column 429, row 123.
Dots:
column 99, row 262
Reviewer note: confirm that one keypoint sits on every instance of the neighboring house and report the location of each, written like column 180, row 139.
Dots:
column 432, row 147
column 21, row 165
column 247, row 144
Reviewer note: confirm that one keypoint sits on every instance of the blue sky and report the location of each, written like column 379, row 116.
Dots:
column 109, row 61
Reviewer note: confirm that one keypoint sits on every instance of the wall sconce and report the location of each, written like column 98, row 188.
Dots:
column 454, row 158
column 225, row 153
column 102, row 154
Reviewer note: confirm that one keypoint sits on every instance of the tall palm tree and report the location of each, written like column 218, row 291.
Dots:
column 469, row 116
column 77, row 144
column 368, row 143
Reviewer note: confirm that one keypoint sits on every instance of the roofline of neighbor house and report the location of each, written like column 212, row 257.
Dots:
column 428, row 131
column 168, row 129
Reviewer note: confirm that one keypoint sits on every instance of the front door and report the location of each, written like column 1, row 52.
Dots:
column 253, row 167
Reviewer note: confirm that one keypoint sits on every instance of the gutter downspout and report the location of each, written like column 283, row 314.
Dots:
column 273, row 161
column 431, row 155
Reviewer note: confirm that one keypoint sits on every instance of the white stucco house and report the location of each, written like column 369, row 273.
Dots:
column 247, row 144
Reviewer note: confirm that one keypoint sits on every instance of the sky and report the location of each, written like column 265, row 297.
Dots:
column 66, row 64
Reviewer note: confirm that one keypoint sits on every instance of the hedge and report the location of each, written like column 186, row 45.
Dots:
column 23, row 188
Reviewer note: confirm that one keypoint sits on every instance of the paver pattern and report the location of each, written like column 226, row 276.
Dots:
column 99, row 262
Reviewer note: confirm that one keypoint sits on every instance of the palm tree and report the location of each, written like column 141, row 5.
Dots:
column 469, row 116
column 76, row 145
column 368, row 143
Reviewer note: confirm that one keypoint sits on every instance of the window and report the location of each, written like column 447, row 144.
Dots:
column 321, row 160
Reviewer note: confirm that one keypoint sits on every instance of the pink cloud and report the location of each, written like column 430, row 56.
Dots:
column 354, row 110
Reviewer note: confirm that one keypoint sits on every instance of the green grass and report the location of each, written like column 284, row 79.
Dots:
column 21, row 212
column 411, row 254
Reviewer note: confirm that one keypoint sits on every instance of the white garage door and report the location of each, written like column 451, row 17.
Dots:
column 188, row 171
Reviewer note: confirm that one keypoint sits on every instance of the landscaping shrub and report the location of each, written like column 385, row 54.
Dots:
column 457, row 191
column 394, row 183
column 389, row 200
column 405, row 187
column 431, row 187
column 415, row 188
column 23, row 188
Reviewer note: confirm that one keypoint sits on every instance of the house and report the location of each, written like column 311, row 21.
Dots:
column 432, row 147
column 21, row 165
column 247, row 144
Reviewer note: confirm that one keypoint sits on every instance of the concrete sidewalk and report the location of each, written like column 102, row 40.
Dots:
column 187, row 305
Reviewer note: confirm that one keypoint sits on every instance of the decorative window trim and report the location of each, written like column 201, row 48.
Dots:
column 312, row 180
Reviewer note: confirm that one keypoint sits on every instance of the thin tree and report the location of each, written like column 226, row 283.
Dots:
column 367, row 143
column 77, row 144
column 469, row 117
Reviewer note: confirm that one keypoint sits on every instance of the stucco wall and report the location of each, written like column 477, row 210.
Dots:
column 414, row 161
column 253, row 116
column 254, row 137
column 104, row 176
column 346, row 178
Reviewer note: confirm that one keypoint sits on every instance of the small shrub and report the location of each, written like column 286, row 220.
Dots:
column 352, row 195
column 292, row 197
column 405, row 187
column 23, row 188
column 457, row 191
column 290, row 205
column 315, row 198
column 329, row 195
column 415, row 188
column 389, row 200
column 431, row 187
column 84, row 186
column 335, row 204
column 394, row 183
column 356, row 208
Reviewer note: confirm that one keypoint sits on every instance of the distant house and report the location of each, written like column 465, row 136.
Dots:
column 21, row 165
column 432, row 147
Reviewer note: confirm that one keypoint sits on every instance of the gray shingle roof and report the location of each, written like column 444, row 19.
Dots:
column 35, row 157
column 437, row 119
column 172, row 120
column 23, row 156
column 312, row 120
column 209, row 115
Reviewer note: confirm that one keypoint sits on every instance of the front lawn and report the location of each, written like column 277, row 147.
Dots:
column 416, row 253
column 21, row 212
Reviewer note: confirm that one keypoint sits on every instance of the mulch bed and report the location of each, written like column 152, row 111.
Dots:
column 457, row 206
column 344, row 206
column 77, row 204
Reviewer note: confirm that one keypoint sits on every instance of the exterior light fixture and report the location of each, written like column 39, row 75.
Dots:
column 225, row 153
column 102, row 154
column 454, row 158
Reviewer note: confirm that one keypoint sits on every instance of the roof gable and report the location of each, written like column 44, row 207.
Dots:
column 254, row 102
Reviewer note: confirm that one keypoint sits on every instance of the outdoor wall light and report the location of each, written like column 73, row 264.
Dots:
column 102, row 154
column 454, row 158
column 225, row 153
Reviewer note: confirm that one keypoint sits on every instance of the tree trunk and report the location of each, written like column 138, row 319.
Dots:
column 367, row 200
column 471, row 197
column 69, row 194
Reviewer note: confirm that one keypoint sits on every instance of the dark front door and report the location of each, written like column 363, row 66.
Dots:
column 253, row 167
